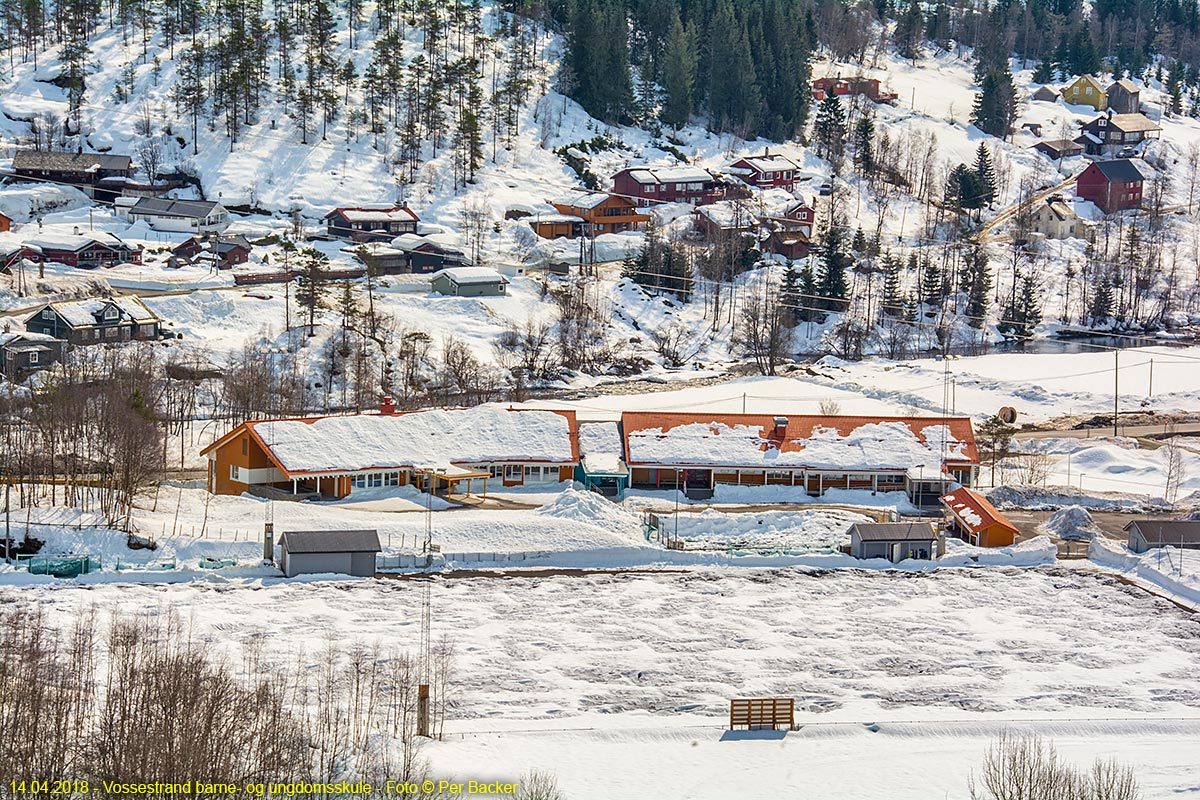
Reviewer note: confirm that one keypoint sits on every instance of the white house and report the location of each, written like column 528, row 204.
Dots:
column 179, row 216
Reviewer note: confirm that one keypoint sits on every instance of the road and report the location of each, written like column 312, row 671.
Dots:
column 1132, row 431
column 981, row 235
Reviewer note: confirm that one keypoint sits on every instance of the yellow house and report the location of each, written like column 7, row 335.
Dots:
column 1085, row 91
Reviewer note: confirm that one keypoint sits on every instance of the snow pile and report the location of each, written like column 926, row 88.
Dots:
column 1072, row 523
column 812, row 530
column 1172, row 571
column 432, row 439
column 1035, row 498
column 1030, row 553
column 588, row 507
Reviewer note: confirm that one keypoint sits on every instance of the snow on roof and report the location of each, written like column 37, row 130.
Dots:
column 807, row 441
column 600, row 448
column 1124, row 170
column 466, row 275
column 80, row 313
column 581, row 199
column 973, row 510
column 11, row 337
column 179, row 209
column 391, row 214
column 73, row 243
column 68, row 161
column 675, row 174
column 430, row 439
column 546, row 217
column 1129, row 123
column 768, row 163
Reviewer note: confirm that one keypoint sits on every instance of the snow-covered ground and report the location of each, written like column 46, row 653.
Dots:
column 618, row 683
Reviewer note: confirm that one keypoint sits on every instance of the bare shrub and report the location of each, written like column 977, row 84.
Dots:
column 1028, row 768
column 829, row 407
column 537, row 785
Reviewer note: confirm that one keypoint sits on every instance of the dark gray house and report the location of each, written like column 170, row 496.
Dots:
column 180, row 216
column 22, row 352
column 317, row 552
column 469, row 282
column 96, row 320
column 895, row 541
column 79, row 168
column 370, row 224
column 1145, row 534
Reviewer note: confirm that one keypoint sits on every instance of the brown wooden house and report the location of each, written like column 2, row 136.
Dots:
column 588, row 214
column 371, row 224
column 79, row 168
column 226, row 251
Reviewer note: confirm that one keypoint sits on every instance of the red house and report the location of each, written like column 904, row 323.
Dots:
column 857, row 85
column 1113, row 185
column 86, row 251
column 647, row 186
column 800, row 216
column 226, row 251
column 766, row 171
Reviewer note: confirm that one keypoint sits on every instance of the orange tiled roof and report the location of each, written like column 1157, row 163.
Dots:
column 968, row 506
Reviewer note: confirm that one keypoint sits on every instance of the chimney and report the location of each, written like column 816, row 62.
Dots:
column 388, row 406
column 781, row 424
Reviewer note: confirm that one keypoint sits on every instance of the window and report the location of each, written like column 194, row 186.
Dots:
column 1088, row 92
column 779, row 476
column 47, row 313
column 391, row 479
column 111, row 313
column 235, row 472
column 495, row 470
column 245, row 445
column 358, row 481
column 375, row 480
column 512, row 472
column 33, row 357
column 110, row 333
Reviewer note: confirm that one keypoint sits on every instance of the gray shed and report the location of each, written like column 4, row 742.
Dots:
column 895, row 541
column 344, row 552
column 468, row 282
column 1147, row 533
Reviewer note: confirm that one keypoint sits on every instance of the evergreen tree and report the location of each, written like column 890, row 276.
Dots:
column 831, row 276
column 830, row 129
column 978, row 284
column 808, row 294
column 892, row 303
column 733, row 92
column 679, row 75
column 1022, row 316
column 909, row 29
column 996, row 103
column 985, row 176
column 789, row 296
column 932, row 286
column 312, row 283
column 864, row 144
column 1100, row 309
column 1044, row 72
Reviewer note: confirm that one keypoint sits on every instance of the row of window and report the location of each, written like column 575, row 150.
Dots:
column 375, row 480
column 679, row 187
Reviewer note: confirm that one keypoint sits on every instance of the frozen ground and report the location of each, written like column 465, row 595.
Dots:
column 619, row 683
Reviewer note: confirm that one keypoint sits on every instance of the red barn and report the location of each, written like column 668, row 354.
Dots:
column 766, row 171
column 1113, row 185
column 647, row 186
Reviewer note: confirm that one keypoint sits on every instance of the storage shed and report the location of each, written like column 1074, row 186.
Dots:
column 895, row 541
column 317, row 552
column 973, row 519
column 469, row 282
column 1145, row 534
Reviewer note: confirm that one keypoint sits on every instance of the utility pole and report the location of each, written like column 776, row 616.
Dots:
column 7, row 529
column 1116, row 383
column 1150, row 392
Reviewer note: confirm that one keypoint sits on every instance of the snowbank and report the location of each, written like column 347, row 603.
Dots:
column 590, row 508
column 1072, row 523
column 1173, row 572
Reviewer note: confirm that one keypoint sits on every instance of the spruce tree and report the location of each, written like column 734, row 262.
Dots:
column 909, row 29
column 995, row 103
column 829, row 130
column 808, row 294
column 831, row 277
column 864, row 144
column 893, row 290
column 978, row 284
column 985, row 176
column 789, row 295
column 1100, row 309
column 312, row 284
column 1044, row 72
column 931, row 286
column 679, row 75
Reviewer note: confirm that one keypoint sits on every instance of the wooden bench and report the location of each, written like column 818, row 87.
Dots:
column 759, row 712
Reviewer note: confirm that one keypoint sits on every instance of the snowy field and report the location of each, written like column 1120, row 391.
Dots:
column 805, row 531
column 619, row 683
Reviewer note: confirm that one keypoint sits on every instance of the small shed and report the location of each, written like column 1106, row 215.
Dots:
column 976, row 521
column 318, row 552
column 1145, row 534
column 469, row 282
column 1044, row 94
column 895, row 541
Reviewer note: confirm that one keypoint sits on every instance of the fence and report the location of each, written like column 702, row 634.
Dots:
column 757, row 712
column 166, row 565
column 61, row 566
column 425, row 561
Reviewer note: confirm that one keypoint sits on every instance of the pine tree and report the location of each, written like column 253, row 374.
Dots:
column 864, row 144
column 892, row 303
column 1100, row 310
column 679, row 75
column 985, row 176
column 808, row 294
column 733, row 91
column 909, row 29
column 789, row 295
column 996, row 103
column 1044, row 73
column 312, row 285
column 829, row 130
column 831, row 277
column 859, row 243
column 978, row 284
column 931, row 286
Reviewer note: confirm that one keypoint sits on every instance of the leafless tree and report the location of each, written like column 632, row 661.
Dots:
column 762, row 332
column 1027, row 768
